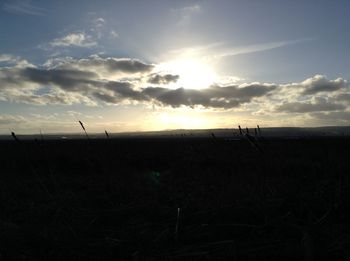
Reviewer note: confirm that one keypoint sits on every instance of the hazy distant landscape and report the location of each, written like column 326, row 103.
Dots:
column 280, row 132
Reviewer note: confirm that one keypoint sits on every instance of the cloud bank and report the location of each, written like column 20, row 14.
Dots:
column 95, row 80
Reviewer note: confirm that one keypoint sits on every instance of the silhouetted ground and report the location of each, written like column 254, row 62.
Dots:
column 122, row 199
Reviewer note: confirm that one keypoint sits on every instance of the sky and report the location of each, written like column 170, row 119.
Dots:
column 158, row 65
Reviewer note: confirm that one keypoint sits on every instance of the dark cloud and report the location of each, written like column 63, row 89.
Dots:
column 124, row 90
column 127, row 65
column 14, row 83
column 215, row 96
column 320, row 83
column 106, row 97
column 66, row 79
column 177, row 97
column 302, row 107
column 163, row 79
column 342, row 116
column 10, row 77
column 107, row 65
column 89, row 83
column 211, row 97
column 343, row 97
column 243, row 92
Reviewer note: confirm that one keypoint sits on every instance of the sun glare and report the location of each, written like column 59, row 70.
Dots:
column 181, row 121
column 193, row 73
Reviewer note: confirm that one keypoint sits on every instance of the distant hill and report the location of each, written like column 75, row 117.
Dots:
column 282, row 132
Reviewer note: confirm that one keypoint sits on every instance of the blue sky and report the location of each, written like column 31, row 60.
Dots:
column 150, row 65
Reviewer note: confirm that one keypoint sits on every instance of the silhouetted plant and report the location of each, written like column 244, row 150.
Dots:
column 82, row 126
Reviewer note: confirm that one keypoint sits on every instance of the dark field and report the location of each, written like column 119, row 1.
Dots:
column 175, row 199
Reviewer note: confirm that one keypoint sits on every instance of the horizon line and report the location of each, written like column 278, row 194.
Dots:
column 171, row 130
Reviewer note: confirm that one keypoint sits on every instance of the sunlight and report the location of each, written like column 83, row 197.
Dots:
column 180, row 120
column 193, row 73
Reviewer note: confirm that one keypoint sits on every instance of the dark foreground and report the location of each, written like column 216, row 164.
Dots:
column 175, row 199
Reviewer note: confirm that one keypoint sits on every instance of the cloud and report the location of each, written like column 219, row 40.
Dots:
column 343, row 97
column 78, row 39
column 320, row 83
column 98, row 27
column 334, row 116
column 66, row 79
column 315, row 86
column 55, row 98
column 96, row 80
column 102, row 66
column 184, row 14
column 23, row 7
column 99, row 22
column 113, row 34
column 10, row 60
column 302, row 107
column 124, row 90
column 6, row 119
column 108, row 98
column 313, row 95
column 95, row 30
column 215, row 96
column 163, row 79
column 7, row 58
column 72, row 81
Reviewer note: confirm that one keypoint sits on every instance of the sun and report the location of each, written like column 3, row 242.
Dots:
column 193, row 74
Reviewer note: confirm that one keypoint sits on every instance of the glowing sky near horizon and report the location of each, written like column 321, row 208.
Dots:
column 154, row 65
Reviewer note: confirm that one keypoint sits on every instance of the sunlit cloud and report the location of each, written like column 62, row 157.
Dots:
column 6, row 119
column 7, row 58
column 79, row 39
column 320, row 83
